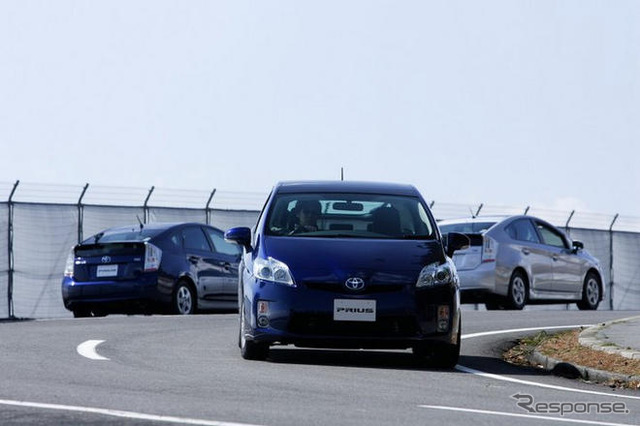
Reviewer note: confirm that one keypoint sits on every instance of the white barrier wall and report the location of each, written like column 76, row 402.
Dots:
column 4, row 260
column 44, row 233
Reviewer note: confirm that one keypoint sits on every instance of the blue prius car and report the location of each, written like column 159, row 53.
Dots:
column 177, row 268
column 348, row 265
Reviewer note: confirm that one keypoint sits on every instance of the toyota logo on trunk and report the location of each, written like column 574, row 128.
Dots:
column 106, row 259
column 354, row 283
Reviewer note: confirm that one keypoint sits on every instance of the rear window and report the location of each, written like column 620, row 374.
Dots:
column 123, row 235
column 332, row 215
column 467, row 228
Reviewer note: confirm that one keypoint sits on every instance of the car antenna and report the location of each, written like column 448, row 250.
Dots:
column 140, row 222
column 97, row 237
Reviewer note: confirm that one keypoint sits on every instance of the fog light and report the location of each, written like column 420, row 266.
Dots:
column 443, row 318
column 263, row 313
column 263, row 321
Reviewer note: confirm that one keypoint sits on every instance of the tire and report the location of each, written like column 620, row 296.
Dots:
column 249, row 349
column 493, row 304
column 81, row 313
column 440, row 355
column 591, row 291
column 184, row 301
column 518, row 289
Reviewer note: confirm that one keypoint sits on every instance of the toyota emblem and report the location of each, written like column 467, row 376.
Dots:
column 106, row 259
column 354, row 283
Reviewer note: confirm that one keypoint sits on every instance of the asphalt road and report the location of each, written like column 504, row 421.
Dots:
column 188, row 370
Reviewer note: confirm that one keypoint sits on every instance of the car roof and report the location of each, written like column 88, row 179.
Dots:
column 150, row 226
column 346, row 187
column 474, row 219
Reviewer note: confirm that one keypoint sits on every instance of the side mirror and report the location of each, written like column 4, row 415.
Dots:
column 577, row 245
column 240, row 236
column 456, row 241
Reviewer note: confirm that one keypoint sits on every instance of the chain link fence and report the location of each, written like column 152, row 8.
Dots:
column 40, row 223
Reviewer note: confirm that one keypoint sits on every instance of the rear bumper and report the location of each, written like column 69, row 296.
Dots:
column 113, row 294
column 477, row 283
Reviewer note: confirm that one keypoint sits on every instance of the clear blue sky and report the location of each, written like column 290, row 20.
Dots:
column 504, row 102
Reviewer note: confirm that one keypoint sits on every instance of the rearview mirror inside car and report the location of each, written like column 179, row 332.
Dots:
column 348, row 206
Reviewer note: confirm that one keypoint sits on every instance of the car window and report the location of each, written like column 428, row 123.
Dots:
column 551, row 236
column 522, row 230
column 195, row 239
column 466, row 227
column 220, row 245
column 349, row 215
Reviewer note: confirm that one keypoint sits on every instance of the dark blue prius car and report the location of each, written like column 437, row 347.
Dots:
column 175, row 268
column 348, row 265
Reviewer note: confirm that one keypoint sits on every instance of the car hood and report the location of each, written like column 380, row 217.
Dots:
column 335, row 260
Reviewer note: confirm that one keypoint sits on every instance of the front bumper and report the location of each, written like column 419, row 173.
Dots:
column 305, row 317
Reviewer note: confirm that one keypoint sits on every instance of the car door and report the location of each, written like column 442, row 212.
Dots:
column 530, row 254
column 228, row 256
column 567, row 267
column 205, row 266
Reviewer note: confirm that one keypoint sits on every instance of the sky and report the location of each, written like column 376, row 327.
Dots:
column 501, row 102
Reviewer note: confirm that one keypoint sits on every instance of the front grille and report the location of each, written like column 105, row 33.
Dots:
column 339, row 288
column 324, row 325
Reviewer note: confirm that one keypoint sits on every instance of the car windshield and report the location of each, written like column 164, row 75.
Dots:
column 467, row 227
column 332, row 215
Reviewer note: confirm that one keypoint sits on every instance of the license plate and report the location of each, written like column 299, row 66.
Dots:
column 354, row 310
column 107, row 271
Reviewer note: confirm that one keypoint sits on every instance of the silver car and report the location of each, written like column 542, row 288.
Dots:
column 516, row 260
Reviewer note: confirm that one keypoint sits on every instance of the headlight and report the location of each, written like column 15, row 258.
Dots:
column 437, row 274
column 271, row 269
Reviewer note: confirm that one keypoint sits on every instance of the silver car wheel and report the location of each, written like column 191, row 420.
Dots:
column 518, row 290
column 184, row 300
column 593, row 291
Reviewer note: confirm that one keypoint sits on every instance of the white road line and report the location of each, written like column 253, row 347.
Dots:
column 123, row 414
column 521, row 330
column 88, row 350
column 526, row 382
column 526, row 416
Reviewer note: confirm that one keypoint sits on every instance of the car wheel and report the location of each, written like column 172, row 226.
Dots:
column 518, row 288
column 248, row 348
column 81, row 313
column 493, row 304
column 590, row 293
column 184, row 302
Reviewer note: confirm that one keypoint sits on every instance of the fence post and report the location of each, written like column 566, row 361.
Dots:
column 145, row 207
column 611, row 261
column 10, row 252
column 81, row 213
column 207, row 210
column 566, row 226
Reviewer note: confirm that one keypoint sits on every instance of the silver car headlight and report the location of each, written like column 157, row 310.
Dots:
column 270, row 269
column 437, row 274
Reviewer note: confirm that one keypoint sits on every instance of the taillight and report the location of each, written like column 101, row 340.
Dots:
column 152, row 256
column 68, row 267
column 489, row 249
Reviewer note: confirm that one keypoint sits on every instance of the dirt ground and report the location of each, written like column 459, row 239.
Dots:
column 565, row 346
